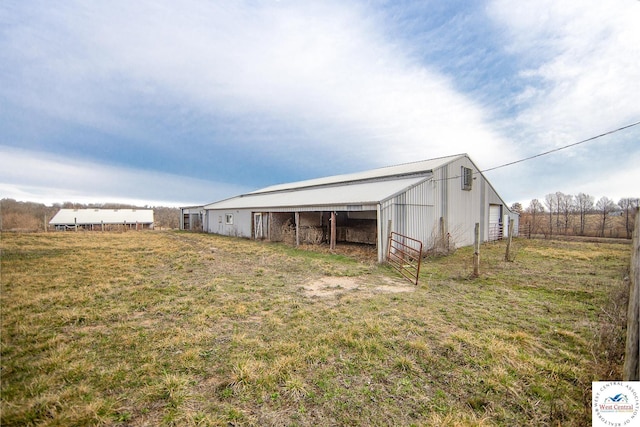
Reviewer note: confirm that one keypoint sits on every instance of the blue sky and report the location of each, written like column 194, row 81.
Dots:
column 180, row 103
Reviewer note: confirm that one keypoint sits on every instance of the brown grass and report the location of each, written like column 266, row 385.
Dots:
column 169, row 328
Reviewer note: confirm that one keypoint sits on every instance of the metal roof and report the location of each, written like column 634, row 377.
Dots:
column 362, row 193
column 361, row 188
column 405, row 169
column 104, row 216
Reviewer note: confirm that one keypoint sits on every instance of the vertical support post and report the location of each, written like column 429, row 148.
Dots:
column 75, row 223
column 297, row 216
column 332, row 244
column 379, row 237
column 443, row 237
column 102, row 225
column 476, row 251
column 387, row 241
column 631, row 368
column 507, row 255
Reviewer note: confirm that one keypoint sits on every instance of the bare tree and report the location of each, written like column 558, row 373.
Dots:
column 15, row 215
column 550, row 203
column 604, row 206
column 535, row 210
column 165, row 217
column 583, row 204
column 628, row 205
column 558, row 197
column 565, row 207
column 31, row 216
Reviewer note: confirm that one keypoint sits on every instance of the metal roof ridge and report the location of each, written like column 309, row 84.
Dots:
column 338, row 183
column 347, row 179
column 452, row 156
column 288, row 186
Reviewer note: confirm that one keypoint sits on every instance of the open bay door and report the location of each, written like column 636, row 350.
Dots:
column 495, row 222
column 260, row 224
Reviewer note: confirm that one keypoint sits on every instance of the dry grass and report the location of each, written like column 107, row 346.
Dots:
column 168, row 328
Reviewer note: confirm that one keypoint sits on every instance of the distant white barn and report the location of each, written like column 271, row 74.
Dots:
column 103, row 219
column 434, row 201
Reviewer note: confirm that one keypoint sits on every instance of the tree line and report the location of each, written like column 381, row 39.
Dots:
column 30, row 216
column 579, row 215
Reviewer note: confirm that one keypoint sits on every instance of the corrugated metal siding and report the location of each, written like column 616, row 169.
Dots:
column 192, row 209
column 321, row 208
column 466, row 208
column 411, row 213
column 423, row 205
column 420, row 212
column 459, row 221
column 415, row 210
column 241, row 227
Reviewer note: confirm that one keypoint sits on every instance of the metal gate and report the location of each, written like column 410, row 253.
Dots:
column 405, row 255
column 495, row 222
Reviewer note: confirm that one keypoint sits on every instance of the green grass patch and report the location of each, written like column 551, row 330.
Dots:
column 170, row 328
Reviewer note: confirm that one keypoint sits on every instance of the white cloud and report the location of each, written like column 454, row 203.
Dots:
column 579, row 73
column 323, row 84
column 581, row 59
column 325, row 68
column 37, row 177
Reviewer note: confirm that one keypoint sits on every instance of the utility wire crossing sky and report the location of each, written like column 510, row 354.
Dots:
column 562, row 148
column 166, row 103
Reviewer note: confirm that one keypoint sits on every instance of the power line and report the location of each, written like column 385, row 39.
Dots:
column 562, row 148
column 546, row 152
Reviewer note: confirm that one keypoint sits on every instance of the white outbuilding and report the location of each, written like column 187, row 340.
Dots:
column 437, row 202
column 103, row 219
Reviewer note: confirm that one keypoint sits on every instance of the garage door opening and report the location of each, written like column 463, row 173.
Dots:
column 315, row 227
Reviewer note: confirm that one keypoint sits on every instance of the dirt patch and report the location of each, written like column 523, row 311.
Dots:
column 392, row 286
column 328, row 287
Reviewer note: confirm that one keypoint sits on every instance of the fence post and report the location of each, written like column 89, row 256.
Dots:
column 476, row 251
column 631, row 369
column 334, row 230
column 507, row 255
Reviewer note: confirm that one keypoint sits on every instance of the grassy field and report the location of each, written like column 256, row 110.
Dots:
column 169, row 328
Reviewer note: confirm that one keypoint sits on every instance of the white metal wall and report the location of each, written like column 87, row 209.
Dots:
column 411, row 213
column 241, row 227
column 417, row 212
column 466, row 208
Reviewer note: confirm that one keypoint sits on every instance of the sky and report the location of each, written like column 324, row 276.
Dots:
column 164, row 103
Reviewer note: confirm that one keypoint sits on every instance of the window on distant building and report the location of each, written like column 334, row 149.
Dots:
column 467, row 178
column 229, row 219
